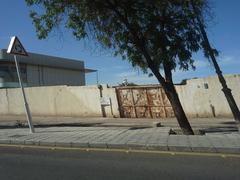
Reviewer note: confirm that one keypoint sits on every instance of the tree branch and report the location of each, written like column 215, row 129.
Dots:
column 138, row 42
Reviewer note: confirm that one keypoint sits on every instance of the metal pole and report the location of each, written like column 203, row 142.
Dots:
column 28, row 113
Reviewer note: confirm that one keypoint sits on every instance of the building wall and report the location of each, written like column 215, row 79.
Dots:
column 8, row 74
column 201, row 101
column 41, row 70
column 196, row 98
column 33, row 74
column 58, row 101
column 49, row 76
column 111, row 109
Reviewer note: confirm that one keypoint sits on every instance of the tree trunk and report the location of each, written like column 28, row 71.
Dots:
column 177, row 108
column 227, row 92
column 172, row 95
column 168, row 87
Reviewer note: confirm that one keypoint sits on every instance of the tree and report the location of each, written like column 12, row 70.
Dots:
column 211, row 53
column 126, row 83
column 156, row 35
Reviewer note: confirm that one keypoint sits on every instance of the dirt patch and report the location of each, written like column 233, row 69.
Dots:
column 179, row 132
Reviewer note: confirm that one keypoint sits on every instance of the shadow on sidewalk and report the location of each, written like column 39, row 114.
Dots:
column 51, row 125
column 227, row 129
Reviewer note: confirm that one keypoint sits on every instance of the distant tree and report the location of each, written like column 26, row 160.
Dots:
column 159, row 35
column 184, row 82
column 126, row 83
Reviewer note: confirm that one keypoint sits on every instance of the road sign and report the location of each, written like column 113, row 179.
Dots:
column 105, row 101
column 16, row 47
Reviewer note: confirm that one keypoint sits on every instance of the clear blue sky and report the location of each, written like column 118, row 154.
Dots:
column 224, row 33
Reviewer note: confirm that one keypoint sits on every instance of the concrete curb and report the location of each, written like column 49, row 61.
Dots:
column 132, row 146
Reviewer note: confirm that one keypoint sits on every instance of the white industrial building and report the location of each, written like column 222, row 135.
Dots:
column 41, row 70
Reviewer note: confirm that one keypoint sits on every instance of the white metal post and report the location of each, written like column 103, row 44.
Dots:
column 28, row 113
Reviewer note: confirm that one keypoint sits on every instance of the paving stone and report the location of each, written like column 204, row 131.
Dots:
column 160, row 147
column 98, row 145
column 46, row 143
column 179, row 143
column 185, row 148
column 31, row 142
column 16, row 141
column 136, row 146
column 203, row 149
column 227, row 149
column 5, row 141
column 63, row 144
column 201, row 144
column 80, row 144
column 108, row 137
column 117, row 146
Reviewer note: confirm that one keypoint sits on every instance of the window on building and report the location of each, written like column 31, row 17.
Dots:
column 8, row 72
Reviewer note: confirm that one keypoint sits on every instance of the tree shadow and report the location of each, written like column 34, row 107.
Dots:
column 226, row 129
column 229, row 123
column 51, row 125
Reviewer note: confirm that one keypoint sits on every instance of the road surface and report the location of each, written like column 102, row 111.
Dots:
column 47, row 164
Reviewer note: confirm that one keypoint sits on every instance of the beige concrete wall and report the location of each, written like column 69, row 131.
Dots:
column 112, row 109
column 58, row 101
column 198, row 101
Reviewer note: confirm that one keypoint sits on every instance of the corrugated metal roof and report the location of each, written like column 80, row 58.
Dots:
column 45, row 60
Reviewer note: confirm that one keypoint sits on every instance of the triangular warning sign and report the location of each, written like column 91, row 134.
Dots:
column 15, row 47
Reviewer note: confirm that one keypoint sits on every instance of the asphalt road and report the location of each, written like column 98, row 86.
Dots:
column 44, row 164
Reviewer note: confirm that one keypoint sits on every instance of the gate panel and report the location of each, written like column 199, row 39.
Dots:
column 143, row 112
column 140, row 100
column 139, row 97
column 154, row 96
column 169, row 112
column 143, row 102
column 126, row 97
column 125, row 101
column 127, row 112
column 158, row 112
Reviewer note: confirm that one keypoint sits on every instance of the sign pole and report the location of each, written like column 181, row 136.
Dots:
column 29, row 117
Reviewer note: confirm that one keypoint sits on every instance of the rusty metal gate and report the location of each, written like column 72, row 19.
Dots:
column 143, row 102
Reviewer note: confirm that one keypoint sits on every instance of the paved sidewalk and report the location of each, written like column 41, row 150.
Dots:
column 157, row 138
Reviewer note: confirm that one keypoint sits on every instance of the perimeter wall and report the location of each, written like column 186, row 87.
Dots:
column 200, row 98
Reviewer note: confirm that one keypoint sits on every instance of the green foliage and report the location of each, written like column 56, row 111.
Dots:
column 128, row 84
column 147, row 33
